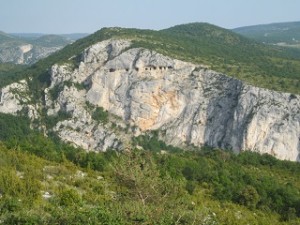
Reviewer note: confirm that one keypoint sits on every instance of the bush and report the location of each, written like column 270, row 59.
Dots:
column 249, row 197
column 69, row 197
column 100, row 115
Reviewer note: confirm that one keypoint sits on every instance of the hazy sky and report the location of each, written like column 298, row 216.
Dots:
column 70, row 16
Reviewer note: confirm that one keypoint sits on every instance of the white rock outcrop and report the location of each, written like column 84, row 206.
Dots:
column 12, row 96
column 196, row 106
column 188, row 103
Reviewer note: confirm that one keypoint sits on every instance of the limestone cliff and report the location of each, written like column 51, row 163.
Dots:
column 189, row 104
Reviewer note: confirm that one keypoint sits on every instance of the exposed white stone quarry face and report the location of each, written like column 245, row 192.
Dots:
column 191, row 104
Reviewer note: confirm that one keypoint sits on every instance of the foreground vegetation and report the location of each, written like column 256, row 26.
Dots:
column 43, row 181
column 272, row 67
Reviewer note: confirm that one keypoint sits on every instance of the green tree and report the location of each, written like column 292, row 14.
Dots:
column 69, row 197
column 100, row 115
column 248, row 196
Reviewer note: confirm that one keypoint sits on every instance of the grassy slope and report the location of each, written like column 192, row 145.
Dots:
column 265, row 66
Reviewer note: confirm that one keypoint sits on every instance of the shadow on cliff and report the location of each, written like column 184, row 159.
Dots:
column 222, row 130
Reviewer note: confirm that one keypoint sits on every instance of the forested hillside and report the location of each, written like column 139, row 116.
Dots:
column 43, row 181
column 9, row 72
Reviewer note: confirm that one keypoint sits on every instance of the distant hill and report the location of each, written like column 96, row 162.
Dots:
column 275, row 33
column 27, row 49
column 33, row 36
column 223, row 50
column 51, row 40
column 27, row 36
column 207, row 32
column 9, row 40
column 74, row 36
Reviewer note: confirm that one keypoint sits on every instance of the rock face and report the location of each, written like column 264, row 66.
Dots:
column 187, row 103
column 12, row 96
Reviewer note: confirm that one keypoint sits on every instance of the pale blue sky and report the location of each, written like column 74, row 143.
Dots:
column 70, row 16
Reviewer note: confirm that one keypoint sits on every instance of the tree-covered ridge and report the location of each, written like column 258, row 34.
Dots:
column 261, row 65
column 43, row 181
column 9, row 40
column 275, row 33
column 51, row 41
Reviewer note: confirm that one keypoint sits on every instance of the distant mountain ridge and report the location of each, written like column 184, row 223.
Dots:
column 287, row 33
column 29, row 48
column 71, row 36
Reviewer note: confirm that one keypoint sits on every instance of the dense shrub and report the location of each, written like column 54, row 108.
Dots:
column 100, row 115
